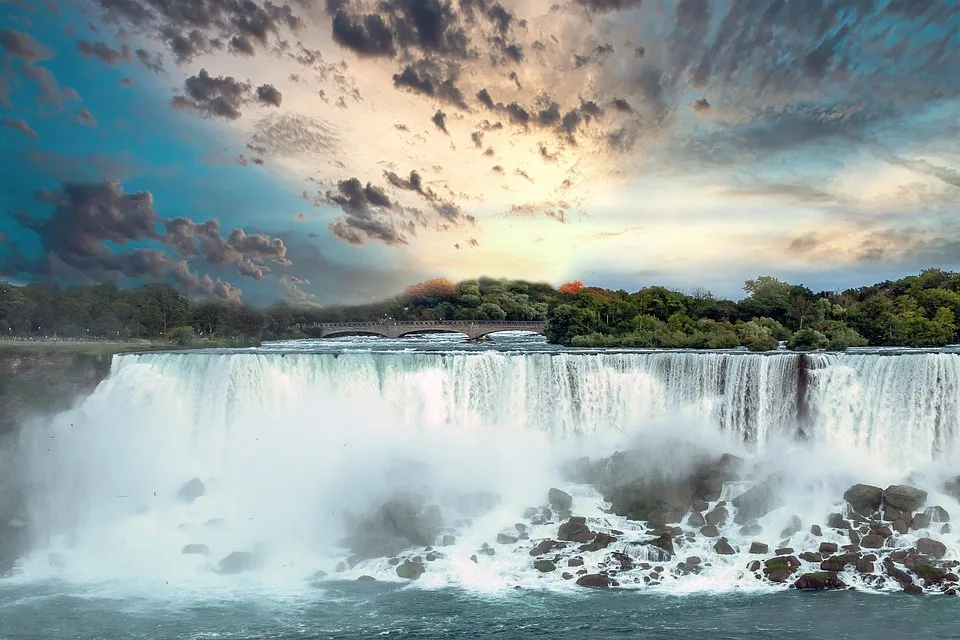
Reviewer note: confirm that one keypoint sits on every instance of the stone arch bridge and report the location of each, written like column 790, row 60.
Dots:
column 397, row 329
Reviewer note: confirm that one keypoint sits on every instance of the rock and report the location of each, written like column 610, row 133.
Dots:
column 696, row 519
column 815, row 530
column 575, row 562
column 448, row 541
column 904, row 498
column 530, row 512
column 759, row 548
column 524, row 536
column 393, row 562
column 784, row 551
column 474, row 558
column 864, row 498
column 723, row 547
column 754, row 565
column 937, row 514
column 238, row 562
column 892, row 514
column 819, row 581
column 545, row 547
column 595, row 580
column 810, row 556
column 191, row 490
column 487, row 551
column 920, row 521
column 829, row 547
column 793, row 526
column 196, row 549
column 759, row 500
column 624, row 562
column 520, row 527
column 413, row 570
column 872, row 541
column 567, row 576
column 401, row 522
column 575, row 530
column 751, row 529
column 836, row 521
column 559, row 500
column 912, row 589
column 544, row 566
column 699, row 505
column 664, row 542
column 946, row 529
column 710, row 531
column 952, row 488
column 881, row 530
column 838, row 563
column 366, row 578
column 693, row 561
column 900, row 527
column 864, row 565
column 506, row 538
column 318, row 575
column 930, row 574
column 601, row 541
column 930, row 547
column 717, row 517
column 899, row 575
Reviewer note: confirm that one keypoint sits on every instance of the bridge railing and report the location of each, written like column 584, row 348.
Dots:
column 432, row 323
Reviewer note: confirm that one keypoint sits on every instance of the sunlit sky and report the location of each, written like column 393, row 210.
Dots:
column 338, row 150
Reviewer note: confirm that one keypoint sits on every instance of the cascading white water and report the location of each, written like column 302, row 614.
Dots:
column 287, row 442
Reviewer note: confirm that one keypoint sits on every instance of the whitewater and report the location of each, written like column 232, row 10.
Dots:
column 294, row 441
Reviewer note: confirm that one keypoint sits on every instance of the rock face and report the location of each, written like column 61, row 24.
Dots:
column 559, row 500
column 759, row 500
column 904, row 498
column 410, row 570
column 864, row 498
column 819, row 581
column 191, row 490
column 400, row 523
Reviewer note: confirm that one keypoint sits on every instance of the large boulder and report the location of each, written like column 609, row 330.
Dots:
column 758, row 500
column 401, row 522
column 595, row 580
column 575, row 530
column 723, row 547
column 192, row 490
column 864, row 498
column 819, row 581
column 931, row 547
column 239, row 562
column 904, row 498
column 195, row 550
column 410, row 570
column 952, row 488
column 559, row 500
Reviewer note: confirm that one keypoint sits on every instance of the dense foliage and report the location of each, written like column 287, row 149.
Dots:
column 916, row 311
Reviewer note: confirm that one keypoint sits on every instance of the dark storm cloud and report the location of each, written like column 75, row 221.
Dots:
column 193, row 27
column 103, row 52
column 432, row 79
column 222, row 96
column 267, row 94
column 368, row 214
column 446, row 209
column 609, row 5
column 20, row 126
column 439, row 120
column 87, row 218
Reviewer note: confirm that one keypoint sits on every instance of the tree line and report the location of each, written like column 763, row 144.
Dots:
column 915, row 311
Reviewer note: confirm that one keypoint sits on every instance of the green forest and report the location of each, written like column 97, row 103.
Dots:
column 915, row 311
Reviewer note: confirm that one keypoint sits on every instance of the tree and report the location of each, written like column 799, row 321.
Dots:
column 808, row 340
column 756, row 337
column 571, row 288
column 182, row 336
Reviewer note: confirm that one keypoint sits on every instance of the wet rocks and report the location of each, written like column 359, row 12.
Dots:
column 836, row 521
column 793, row 526
column 872, row 541
column 575, row 562
column 410, row 570
column 759, row 548
column 664, row 542
column 545, row 547
column 864, row 498
column 723, row 547
column 937, row 514
column 544, row 566
column 759, row 500
column 559, row 500
column 904, row 497
column 195, row 550
column 931, row 547
column 191, row 490
column 828, row 547
column 601, row 541
column 238, row 562
column 815, row 530
column 751, row 529
column 710, row 531
column 819, row 581
column 448, row 540
column 506, row 538
column 717, row 517
column 575, row 530
column 594, row 580
column 696, row 519
column 401, row 522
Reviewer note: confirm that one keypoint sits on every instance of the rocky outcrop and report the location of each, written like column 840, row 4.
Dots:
column 819, row 581
column 575, row 530
column 401, row 522
column 595, row 580
column 904, row 498
column 238, row 562
column 864, row 498
column 409, row 570
column 559, row 500
column 759, row 500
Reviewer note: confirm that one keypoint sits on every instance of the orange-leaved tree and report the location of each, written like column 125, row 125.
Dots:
column 571, row 287
column 432, row 291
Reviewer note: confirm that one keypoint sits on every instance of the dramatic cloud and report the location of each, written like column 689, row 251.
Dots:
column 103, row 52
column 89, row 219
column 268, row 94
column 439, row 120
column 368, row 214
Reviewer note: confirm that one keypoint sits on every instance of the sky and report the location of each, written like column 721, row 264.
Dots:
column 328, row 151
